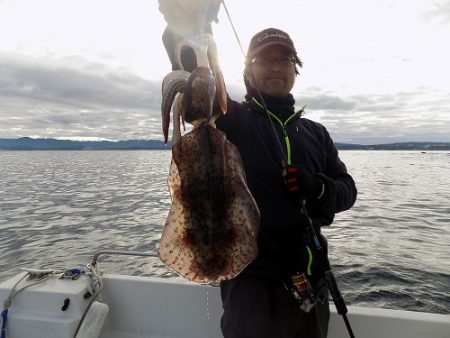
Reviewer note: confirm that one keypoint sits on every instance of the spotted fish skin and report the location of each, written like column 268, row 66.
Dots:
column 211, row 230
column 198, row 98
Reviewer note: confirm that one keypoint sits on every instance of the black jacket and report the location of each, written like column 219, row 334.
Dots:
column 281, row 238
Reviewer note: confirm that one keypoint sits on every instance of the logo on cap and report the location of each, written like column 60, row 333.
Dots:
column 266, row 36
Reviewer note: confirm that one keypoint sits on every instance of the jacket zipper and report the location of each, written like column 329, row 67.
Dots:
column 289, row 159
column 283, row 128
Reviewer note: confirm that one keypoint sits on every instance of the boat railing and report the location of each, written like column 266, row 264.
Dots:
column 121, row 252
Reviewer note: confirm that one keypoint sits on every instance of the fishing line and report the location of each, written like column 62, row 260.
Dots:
column 284, row 161
column 281, row 151
column 234, row 29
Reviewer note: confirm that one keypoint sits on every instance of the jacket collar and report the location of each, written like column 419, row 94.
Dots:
column 282, row 113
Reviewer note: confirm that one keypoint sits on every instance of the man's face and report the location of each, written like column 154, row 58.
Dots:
column 273, row 71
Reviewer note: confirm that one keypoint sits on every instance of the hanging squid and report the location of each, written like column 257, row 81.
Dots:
column 211, row 230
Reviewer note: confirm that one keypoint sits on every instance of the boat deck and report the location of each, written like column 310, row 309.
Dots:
column 181, row 309
column 146, row 307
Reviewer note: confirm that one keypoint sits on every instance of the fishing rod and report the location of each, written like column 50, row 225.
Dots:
column 336, row 295
column 338, row 300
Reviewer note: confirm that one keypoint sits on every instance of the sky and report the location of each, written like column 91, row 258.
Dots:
column 375, row 71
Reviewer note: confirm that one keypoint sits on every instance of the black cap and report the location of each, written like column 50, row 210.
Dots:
column 269, row 37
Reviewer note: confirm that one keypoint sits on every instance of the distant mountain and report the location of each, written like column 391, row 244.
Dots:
column 27, row 143
column 424, row 146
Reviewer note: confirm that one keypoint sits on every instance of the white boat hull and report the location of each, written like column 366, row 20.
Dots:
column 147, row 307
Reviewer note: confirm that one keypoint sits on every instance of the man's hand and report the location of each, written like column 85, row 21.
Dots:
column 300, row 182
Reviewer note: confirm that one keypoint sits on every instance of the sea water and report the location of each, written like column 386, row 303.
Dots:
column 57, row 208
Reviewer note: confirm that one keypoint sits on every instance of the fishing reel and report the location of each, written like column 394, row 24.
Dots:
column 303, row 292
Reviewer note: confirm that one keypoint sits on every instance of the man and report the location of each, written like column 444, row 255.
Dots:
column 299, row 183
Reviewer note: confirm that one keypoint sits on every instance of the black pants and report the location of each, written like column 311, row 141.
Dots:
column 263, row 308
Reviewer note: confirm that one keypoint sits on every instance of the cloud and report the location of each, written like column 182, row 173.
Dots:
column 84, row 85
column 440, row 12
column 74, row 98
column 54, row 98
column 404, row 116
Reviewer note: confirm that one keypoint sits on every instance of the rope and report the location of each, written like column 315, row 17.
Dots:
column 13, row 293
column 4, row 321
column 94, row 289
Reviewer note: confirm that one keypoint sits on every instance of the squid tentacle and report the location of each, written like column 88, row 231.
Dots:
column 173, row 83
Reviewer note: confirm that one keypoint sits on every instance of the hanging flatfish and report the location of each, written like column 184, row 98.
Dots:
column 211, row 229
